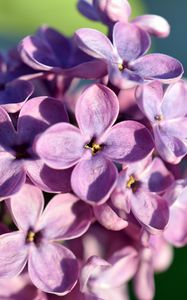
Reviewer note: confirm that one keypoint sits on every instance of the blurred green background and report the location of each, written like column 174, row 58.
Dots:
column 20, row 17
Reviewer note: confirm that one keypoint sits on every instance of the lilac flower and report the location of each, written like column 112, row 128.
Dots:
column 17, row 157
column 166, row 112
column 105, row 279
column 111, row 11
column 50, row 51
column 52, row 267
column 124, row 58
column 177, row 200
column 94, row 146
column 136, row 192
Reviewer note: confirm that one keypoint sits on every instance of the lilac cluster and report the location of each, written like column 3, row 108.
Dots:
column 93, row 133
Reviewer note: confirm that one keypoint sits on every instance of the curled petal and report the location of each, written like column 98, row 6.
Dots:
column 87, row 10
column 53, row 268
column 55, row 223
column 61, row 146
column 94, row 43
column 158, row 66
column 14, row 254
column 94, row 179
column 27, row 206
column 151, row 210
column 127, row 141
column 130, row 41
column 96, row 110
column 153, row 24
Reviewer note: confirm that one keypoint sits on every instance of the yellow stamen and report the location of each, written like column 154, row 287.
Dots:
column 131, row 181
column 94, row 147
column 30, row 236
column 158, row 118
column 120, row 67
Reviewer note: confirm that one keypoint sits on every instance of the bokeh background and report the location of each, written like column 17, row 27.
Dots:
column 19, row 18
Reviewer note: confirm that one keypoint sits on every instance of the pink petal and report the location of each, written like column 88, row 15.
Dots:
column 61, row 146
column 96, row 110
column 53, row 268
column 26, row 206
column 94, row 179
column 153, row 24
column 115, row 10
column 14, row 254
column 65, row 217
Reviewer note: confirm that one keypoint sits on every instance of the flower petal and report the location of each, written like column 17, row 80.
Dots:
column 151, row 210
column 96, row 110
column 175, row 100
column 61, row 146
column 94, row 43
column 94, row 179
column 127, row 141
column 37, row 115
column 26, row 206
column 158, row 66
column 65, row 217
column 53, row 268
column 153, row 24
column 14, row 254
column 48, row 179
column 8, row 135
column 87, row 10
column 149, row 99
column 130, row 41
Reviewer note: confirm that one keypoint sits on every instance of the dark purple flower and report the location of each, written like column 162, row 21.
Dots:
column 17, row 157
column 94, row 146
column 166, row 111
column 52, row 267
column 125, row 58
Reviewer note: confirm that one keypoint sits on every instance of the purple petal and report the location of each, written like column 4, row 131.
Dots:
column 115, row 10
column 162, row 253
column 48, row 179
column 128, row 141
column 93, row 69
column 149, row 99
column 38, row 114
column 61, row 146
column 174, row 101
column 144, row 278
column 37, row 53
column 158, row 66
column 12, row 175
column 156, row 176
column 65, row 217
column 171, row 148
column 96, row 110
column 154, row 25
column 107, row 217
column 177, row 235
column 8, row 135
column 130, row 41
column 87, row 10
column 27, row 206
column 94, row 43
column 151, row 210
column 56, row 270
column 14, row 254
column 94, row 179
column 15, row 94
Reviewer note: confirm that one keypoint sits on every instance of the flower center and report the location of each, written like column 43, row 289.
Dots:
column 94, row 147
column 30, row 236
column 158, row 117
column 132, row 183
column 21, row 151
column 121, row 67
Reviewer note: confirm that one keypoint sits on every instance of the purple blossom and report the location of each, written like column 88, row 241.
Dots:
column 17, row 156
column 52, row 267
column 137, row 191
column 166, row 112
column 111, row 11
column 124, row 59
column 94, row 146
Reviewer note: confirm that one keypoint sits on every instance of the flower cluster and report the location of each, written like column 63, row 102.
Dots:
column 93, row 132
